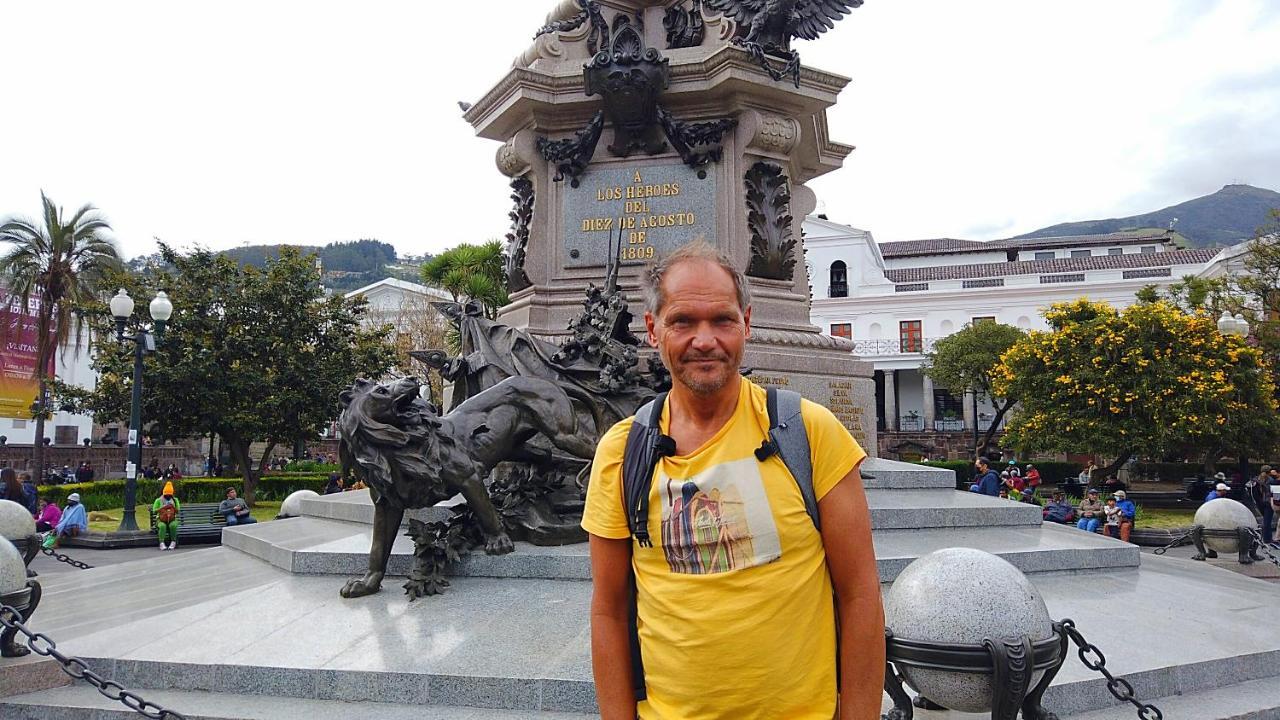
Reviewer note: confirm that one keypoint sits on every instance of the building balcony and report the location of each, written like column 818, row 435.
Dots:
column 838, row 290
column 908, row 423
column 948, row 425
column 875, row 348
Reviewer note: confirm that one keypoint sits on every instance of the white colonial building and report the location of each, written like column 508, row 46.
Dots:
column 894, row 300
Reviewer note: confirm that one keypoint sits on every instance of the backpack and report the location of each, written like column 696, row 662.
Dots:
column 645, row 448
column 167, row 513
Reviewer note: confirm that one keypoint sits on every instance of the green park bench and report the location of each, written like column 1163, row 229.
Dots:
column 198, row 522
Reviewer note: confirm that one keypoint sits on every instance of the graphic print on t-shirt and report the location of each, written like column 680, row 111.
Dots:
column 718, row 520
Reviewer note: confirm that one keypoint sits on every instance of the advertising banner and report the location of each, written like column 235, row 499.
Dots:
column 18, row 332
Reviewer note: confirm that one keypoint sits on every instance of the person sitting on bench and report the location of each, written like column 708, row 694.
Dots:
column 166, row 509
column 235, row 510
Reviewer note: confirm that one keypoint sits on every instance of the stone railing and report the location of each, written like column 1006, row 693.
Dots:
column 874, row 348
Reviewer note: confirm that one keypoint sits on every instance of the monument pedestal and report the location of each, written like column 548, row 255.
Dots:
column 712, row 147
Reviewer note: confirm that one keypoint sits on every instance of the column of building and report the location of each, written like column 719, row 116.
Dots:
column 970, row 419
column 930, row 404
column 890, row 400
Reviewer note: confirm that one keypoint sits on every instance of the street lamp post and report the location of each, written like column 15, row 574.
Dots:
column 1229, row 325
column 143, row 342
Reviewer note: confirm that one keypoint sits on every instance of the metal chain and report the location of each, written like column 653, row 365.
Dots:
column 44, row 645
column 65, row 559
column 1120, row 688
column 1264, row 547
column 1175, row 543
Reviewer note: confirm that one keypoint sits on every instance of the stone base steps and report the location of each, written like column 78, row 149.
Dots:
column 220, row 621
column 313, row 546
column 82, row 702
column 1253, row 700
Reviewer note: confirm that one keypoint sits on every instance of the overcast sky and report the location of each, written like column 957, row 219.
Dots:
column 227, row 123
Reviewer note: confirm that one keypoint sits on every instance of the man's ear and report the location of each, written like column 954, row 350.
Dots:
column 651, row 326
column 746, row 319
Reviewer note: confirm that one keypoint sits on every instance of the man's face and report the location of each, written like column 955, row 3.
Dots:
column 700, row 332
column 231, row 494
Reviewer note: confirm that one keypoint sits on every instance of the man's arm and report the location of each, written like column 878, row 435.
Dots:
column 846, row 537
column 610, row 633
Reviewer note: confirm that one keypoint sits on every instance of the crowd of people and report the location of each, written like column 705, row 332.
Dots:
column 1114, row 516
column 1115, row 513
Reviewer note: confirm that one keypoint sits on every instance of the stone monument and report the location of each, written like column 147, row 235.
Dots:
column 659, row 122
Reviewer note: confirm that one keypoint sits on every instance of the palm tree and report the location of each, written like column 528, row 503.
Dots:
column 60, row 263
column 471, row 272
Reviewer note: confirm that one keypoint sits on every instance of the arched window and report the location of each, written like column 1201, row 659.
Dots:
column 839, row 286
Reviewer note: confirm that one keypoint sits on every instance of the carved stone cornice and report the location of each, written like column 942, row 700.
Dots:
column 716, row 73
column 800, row 339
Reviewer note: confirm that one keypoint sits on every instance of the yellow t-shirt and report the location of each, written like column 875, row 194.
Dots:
column 734, row 600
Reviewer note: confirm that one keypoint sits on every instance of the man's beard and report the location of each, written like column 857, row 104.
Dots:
column 698, row 384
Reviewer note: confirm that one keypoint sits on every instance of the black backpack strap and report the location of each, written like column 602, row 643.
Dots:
column 644, row 450
column 645, row 447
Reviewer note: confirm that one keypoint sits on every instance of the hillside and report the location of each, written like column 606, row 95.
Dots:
column 1224, row 218
column 347, row 265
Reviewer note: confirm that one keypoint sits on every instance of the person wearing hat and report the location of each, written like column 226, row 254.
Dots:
column 1128, row 511
column 1090, row 512
column 166, row 509
column 1221, row 490
column 74, row 521
column 1058, row 510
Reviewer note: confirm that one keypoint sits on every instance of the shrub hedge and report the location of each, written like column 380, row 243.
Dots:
column 108, row 494
column 1051, row 471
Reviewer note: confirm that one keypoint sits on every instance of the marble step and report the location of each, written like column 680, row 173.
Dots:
column 891, row 509
column 81, row 702
column 312, row 546
column 1172, row 627
column 1253, row 700
column 882, row 474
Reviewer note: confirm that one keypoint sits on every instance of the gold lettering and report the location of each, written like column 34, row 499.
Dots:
column 597, row 224
column 638, row 179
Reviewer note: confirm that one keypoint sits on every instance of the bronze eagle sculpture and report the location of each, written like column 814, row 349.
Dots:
column 770, row 26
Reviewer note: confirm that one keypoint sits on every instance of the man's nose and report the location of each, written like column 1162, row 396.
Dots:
column 705, row 337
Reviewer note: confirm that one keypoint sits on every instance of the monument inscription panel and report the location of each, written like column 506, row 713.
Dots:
column 654, row 208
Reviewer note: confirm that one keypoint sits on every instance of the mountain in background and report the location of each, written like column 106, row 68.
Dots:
column 1224, row 218
column 346, row 265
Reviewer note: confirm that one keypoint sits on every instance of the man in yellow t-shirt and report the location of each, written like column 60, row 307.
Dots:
column 735, row 604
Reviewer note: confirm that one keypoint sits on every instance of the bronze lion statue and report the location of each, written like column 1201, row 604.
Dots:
column 411, row 457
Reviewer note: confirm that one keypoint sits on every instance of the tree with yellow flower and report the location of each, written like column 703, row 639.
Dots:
column 1148, row 380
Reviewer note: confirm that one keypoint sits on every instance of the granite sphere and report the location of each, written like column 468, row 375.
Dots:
column 292, row 505
column 1224, row 514
column 963, row 596
column 13, row 572
column 16, row 522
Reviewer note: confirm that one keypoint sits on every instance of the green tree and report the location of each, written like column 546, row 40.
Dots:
column 1151, row 379
column 250, row 354
column 53, row 266
column 963, row 361
column 471, row 272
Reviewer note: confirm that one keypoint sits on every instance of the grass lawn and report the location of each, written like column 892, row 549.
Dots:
column 263, row 512
column 1162, row 519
